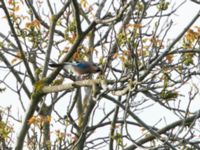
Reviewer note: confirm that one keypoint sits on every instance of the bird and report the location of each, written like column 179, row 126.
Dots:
column 78, row 68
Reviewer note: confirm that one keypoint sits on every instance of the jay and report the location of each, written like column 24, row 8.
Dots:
column 79, row 68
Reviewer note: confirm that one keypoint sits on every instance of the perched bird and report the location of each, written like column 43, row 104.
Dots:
column 79, row 68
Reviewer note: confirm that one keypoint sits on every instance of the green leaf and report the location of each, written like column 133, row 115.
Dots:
column 121, row 38
column 187, row 59
column 168, row 95
column 163, row 5
column 118, row 138
column 2, row 90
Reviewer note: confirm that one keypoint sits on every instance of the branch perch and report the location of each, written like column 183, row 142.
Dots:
column 69, row 86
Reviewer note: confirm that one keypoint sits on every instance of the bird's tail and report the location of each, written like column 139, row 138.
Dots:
column 54, row 65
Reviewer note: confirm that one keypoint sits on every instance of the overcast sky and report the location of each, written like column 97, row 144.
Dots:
column 182, row 18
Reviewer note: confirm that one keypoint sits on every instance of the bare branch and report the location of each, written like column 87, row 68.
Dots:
column 154, row 63
column 77, row 17
column 180, row 122
column 53, row 21
column 18, row 42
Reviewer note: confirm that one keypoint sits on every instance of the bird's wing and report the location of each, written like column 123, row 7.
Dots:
column 82, row 65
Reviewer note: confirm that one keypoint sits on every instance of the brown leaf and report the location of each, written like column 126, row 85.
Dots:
column 169, row 58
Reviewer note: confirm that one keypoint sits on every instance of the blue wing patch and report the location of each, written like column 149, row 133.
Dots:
column 82, row 65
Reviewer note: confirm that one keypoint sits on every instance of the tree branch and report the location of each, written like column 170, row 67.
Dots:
column 15, row 74
column 18, row 42
column 154, row 133
column 36, row 98
column 196, row 1
column 43, row 23
column 163, row 130
column 53, row 20
column 112, row 19
column 69, row 86
column 159, row 58
column 76, row 16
